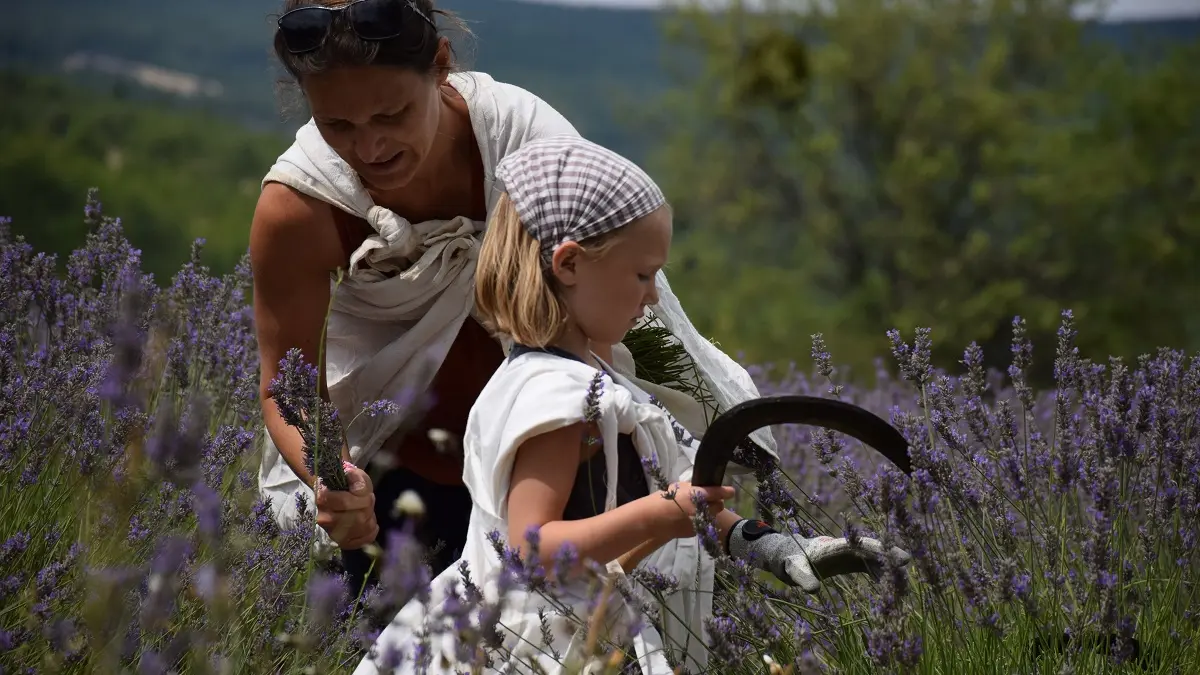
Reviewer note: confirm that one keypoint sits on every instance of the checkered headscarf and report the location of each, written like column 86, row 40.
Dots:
column 566, row 188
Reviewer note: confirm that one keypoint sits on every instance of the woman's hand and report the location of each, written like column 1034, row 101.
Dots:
column 677, row 513
column 349, row 517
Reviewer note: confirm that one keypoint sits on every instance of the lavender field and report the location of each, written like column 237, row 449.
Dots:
column 1052, row 531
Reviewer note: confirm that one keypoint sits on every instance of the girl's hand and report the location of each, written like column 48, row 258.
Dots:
column 677, row 513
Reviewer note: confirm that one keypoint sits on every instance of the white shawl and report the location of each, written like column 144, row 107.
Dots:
column 410, row 287
column 529, row 395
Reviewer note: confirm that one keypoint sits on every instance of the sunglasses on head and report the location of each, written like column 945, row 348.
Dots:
column 304, row 29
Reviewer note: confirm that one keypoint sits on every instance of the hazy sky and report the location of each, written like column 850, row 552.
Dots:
column 1118, row 9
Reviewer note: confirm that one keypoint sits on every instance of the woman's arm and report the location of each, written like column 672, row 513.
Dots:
column 293, row 248
column 289, row 258
column 542, row 478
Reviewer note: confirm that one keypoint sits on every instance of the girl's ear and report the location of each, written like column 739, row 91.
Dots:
column 564, row 262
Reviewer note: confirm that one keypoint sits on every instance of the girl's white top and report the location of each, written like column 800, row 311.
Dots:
column 410, row 286
column 530, row 395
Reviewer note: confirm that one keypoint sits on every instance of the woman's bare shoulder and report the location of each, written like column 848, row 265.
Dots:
column 295, row 230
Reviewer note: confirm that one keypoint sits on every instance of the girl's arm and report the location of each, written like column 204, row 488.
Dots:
column 725, row 520
column 542, row 478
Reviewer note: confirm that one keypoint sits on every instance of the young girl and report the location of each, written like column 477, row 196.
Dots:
column 561, row 443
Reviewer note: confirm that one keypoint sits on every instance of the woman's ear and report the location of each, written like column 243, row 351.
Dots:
column 442, row 60
column 564, row 262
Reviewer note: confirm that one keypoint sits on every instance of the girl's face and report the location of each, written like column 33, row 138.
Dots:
column 606, row 296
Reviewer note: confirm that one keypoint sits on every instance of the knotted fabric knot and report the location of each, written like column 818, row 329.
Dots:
column 397, row 232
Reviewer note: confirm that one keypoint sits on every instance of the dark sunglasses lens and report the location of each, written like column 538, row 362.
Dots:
column 377, row 19
column 304, row 29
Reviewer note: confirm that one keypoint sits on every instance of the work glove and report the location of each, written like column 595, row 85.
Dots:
column 798, row 561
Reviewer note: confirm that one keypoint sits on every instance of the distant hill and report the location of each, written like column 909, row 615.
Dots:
column 157, row 167
column 595, row 65
column 585, row 62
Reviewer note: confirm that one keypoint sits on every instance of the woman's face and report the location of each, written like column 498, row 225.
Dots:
column 381, row 120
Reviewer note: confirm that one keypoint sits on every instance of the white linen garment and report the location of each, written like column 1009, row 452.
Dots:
column 529, row 395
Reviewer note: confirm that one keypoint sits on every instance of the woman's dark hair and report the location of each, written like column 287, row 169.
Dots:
column 414, row 48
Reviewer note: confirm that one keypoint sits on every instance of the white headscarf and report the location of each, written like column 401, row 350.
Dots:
column 567, row 188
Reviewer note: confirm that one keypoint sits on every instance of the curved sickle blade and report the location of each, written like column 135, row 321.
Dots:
column 734, row 425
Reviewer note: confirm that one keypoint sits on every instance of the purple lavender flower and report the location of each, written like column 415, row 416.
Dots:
column 208, row 508
column 403, row 574
column 294, row 390
column 13, row 547
column 1067, row 513
column 176, row 446
column 327, row 597
column 128, row 342
column 378, row 408
column 652, row 467
column 99, row 368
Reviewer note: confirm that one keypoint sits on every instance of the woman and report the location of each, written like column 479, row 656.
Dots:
column 391, row 181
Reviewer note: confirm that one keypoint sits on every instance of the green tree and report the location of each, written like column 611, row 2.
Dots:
column 172, row 175
column 948, row 163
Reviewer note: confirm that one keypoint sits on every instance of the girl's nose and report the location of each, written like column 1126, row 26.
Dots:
column 651, row 295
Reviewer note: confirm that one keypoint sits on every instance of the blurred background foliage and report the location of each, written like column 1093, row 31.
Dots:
column 170, row 175
column 885, row 164
column 947, row 164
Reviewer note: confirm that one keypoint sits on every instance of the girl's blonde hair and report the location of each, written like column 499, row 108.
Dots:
column 514, row 294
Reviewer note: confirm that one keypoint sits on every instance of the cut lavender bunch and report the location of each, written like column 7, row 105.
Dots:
column 295, row 392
